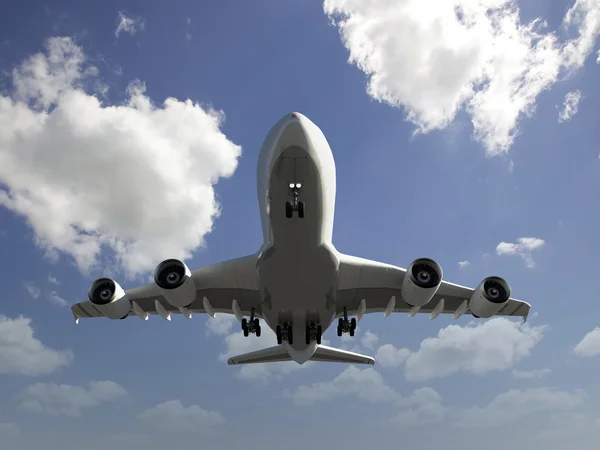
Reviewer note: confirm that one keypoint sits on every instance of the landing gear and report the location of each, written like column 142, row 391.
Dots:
column 295, row 204
column 251, row 326
column 284, row 333
column 345, row 325
column 314, row 333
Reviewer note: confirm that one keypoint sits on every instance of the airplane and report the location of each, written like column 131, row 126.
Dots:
column 298, row 283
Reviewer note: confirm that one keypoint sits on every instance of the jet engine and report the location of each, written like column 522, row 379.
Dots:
column 175, row 282
column 489, row 297
column 421, row 281
column 109, row 298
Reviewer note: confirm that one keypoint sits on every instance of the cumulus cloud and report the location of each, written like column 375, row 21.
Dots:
column 173, row 416
column 463, row 264
column 589, row 345
column 523, row 248
column 57, row 299
column 516, row 403
column 572, row 428
column 570, row 106
column 21, row 353
column 53, row 280
column 424, row 405
column 437, row 57
column 134, row 179
column 530, row 374
column 64, row 399
column 369, row 340
column 127, row 24
column 33, row 290
column 494, row 345
column 389, row 356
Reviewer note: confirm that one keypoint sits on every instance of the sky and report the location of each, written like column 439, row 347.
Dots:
column 463, row 130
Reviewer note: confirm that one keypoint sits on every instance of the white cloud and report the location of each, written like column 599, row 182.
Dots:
column 494, row 345
column 437, row 57
column 64, row 399
column 424, row 405
column 589, row 345
column 173, row 416
column 570, row 106
column 523, row 248
column 389, row 356
column 57, row 299
column 128, row 24
column 369, row 340
column 53, row 280
column 515, row 404
column 529, row 374
column 33, row 290
column 221, row 324
column 571, row 427
column 21, row 353
column 463, row 264
column 89, row 177
column 598, row 58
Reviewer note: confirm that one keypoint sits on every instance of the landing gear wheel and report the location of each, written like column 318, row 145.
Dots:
column 351, row 332
column 319, row 334
column 290, row 338
column 289, row 210
column 301, row 210
column 340, row 331
column 308, row 336
column 353, row 323
column 278, row 333
column 257, row 331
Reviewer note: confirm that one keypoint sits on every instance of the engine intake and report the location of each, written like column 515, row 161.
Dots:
column 109, row 298
column 489, row 297
column 421, row 282
column 174, row 279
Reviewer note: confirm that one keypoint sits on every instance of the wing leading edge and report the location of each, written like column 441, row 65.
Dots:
column 218, row 287
column 369, row 287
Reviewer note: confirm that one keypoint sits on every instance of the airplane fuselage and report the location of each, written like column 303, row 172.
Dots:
column 297, row 265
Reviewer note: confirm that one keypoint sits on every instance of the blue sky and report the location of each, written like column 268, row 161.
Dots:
column 451, row 139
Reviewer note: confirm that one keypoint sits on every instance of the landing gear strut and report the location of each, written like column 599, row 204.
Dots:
column 345, row 325
column 314, row 332
column 251, row 326
column 295, row 204
column 284, row 333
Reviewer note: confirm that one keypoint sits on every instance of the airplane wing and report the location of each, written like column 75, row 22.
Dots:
column 220, row 284
column 377, row 283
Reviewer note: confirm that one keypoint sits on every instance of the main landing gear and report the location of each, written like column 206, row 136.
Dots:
column 284, row 333
column 295, row 204
column 251, row 326
column 345, row 325
column 314, row 332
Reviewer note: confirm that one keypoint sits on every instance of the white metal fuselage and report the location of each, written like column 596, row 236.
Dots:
column 297, row 265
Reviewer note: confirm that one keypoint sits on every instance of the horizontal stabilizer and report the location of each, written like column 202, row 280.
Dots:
column 330, row 354
column 271, row 354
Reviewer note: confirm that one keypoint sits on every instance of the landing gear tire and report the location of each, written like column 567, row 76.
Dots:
column 279, row 336
column 301, row 210
column 319, row 334
column 340, row 331
column 289, row 210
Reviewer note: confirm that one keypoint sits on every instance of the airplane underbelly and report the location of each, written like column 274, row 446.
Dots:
column 298, row 286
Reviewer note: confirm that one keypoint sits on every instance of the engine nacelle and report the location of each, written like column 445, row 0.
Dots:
column 109, row 298
column 175, row 282
column 421, row 282
column 489, row 297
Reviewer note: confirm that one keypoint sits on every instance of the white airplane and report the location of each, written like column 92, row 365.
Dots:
column 298, row 283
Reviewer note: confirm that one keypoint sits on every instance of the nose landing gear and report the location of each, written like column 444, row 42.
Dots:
column 295, row 204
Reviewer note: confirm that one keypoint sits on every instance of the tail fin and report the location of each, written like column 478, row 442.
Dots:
column 330, row 354
column 279, row 353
